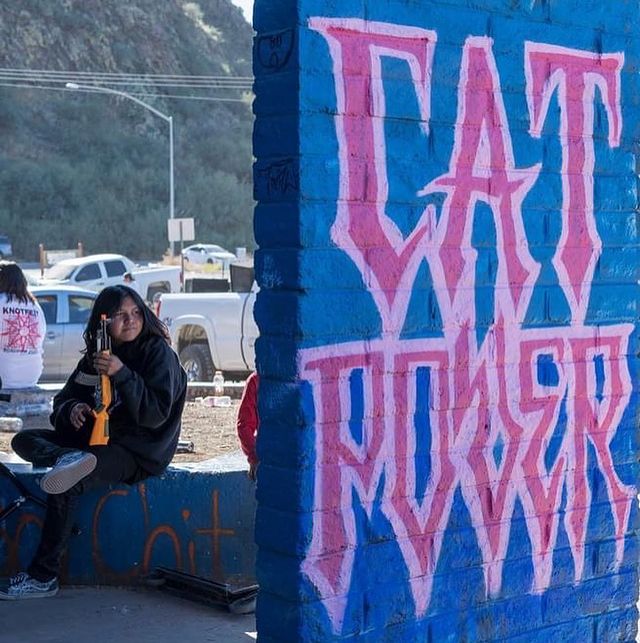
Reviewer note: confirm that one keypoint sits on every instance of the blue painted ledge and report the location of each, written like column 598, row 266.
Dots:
column 197, row 518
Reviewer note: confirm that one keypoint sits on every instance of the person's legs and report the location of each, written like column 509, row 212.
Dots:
column 56, row 531
column 64, row 449
column 113, row 464
column 46, row 448
column 42, row 447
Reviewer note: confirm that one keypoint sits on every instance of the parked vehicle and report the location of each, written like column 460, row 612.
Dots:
column 5, row 246
column 97, row 271
column 66, row 310
column 214, row 331
column 202, row 253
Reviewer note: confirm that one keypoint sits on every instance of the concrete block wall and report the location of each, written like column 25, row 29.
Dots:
column 196, row 518
column 447, row 222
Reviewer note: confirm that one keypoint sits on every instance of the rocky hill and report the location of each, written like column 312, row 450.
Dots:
column 93, row 167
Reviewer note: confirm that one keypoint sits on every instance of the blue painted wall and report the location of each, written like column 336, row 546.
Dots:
column 196, row 519
column 447, row 222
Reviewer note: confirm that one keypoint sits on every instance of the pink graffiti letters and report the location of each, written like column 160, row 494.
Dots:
column 481, row 397
column 482, row 169
column 378, row 248
column 575, row 75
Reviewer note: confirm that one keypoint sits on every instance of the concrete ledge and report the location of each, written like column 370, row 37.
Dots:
column 26, row 402
column 197, row 518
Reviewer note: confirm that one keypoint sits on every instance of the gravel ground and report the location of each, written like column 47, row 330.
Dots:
column 211, row 429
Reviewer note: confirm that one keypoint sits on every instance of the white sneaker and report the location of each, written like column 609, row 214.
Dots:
column 23, row 586
column 69, row 469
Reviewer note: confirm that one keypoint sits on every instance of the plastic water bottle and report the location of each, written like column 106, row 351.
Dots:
column 218, row 384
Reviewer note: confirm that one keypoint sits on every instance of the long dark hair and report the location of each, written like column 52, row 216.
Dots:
column 108, row 302
column 14, row 283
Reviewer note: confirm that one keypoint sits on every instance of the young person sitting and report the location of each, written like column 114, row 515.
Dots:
column 149, row 389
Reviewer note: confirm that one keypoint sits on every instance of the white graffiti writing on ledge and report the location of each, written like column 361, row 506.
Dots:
column 490, row 419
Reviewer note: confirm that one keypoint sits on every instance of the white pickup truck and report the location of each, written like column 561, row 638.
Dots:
column 97, row 271
column 214, row 330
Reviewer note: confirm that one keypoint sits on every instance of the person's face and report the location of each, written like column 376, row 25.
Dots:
column 126, row 322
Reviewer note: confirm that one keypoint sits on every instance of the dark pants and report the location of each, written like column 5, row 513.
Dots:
column 42, row 448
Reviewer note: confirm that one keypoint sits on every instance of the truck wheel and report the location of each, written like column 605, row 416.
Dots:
column 154, row 289
column 197, row 361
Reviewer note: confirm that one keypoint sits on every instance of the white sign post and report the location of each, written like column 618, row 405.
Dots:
column 181, row 230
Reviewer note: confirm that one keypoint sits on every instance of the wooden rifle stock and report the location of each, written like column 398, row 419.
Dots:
column 103, row 395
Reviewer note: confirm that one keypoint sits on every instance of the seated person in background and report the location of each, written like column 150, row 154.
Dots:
column 248, row 423
column 130, row 281
column 22, row 329
column 149, row 388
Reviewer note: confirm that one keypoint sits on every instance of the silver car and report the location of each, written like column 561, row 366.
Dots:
column 66, row 310
column 202, row 253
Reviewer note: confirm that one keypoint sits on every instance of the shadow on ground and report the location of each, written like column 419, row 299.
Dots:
column 114, row 615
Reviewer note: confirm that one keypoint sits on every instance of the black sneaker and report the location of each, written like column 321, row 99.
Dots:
column 69, row 469
column 23, row 586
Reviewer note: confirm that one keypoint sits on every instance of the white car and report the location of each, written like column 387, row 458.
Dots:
column 208, row 253
column 95, row 272
column 66, row 310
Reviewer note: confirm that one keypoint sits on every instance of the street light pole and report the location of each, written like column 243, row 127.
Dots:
column 172, row 198
column 157, row 112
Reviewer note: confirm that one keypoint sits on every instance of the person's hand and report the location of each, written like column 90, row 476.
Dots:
column 79, row 414
column 106, row 364
column 253, row 471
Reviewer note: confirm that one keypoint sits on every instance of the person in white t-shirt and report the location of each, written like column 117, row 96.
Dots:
column 22, row 330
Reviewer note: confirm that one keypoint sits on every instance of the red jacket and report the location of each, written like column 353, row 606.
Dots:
column 248, row 421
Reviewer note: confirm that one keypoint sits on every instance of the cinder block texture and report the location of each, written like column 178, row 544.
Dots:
column 447, row 220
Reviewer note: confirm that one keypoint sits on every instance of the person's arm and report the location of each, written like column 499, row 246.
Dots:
column 149, row 392
column 78, row 389
column 248, row 421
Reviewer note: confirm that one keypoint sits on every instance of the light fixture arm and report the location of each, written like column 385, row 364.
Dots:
column 157, row 112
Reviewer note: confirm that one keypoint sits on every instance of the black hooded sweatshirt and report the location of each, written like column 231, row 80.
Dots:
column 149, row 392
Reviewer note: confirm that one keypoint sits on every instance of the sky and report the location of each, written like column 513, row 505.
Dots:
column 246, row 6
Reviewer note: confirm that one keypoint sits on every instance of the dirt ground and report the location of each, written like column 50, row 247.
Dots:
column 211, row 429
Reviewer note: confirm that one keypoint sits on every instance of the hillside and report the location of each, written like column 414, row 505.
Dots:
column 92, row 167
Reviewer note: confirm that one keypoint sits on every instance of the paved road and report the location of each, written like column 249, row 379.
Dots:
column 112, row 615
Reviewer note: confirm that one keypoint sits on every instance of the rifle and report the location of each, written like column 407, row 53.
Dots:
column 102, row 394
